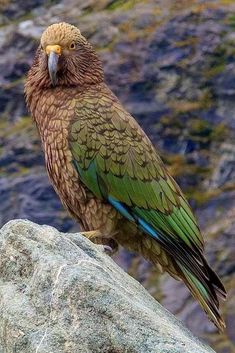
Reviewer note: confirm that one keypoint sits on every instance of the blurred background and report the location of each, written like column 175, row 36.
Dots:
column 172, row 64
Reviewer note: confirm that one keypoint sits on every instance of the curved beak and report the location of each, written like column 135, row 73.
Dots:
column 53, row 52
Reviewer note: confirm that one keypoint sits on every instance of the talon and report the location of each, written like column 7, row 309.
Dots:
column 108, row 250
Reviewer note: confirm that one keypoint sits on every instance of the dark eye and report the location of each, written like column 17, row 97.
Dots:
column 72, row 45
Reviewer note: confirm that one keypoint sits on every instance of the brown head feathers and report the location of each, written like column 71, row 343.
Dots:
column 61, row 33
column 76, row 65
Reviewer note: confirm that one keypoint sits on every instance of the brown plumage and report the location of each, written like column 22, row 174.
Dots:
column 105, row 170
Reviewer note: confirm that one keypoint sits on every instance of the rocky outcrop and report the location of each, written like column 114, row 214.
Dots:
column 61, row 293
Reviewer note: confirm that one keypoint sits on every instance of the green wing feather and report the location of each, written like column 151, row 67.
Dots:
column 115, row 159
column 108, row 143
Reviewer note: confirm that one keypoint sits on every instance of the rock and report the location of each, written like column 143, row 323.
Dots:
column 226, row 166
column 61, row 293
column 37, row 207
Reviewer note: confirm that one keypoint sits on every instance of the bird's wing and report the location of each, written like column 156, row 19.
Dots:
column 118, row 163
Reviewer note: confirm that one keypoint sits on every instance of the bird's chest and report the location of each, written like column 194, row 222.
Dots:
column 53, row 117
column 59, row 162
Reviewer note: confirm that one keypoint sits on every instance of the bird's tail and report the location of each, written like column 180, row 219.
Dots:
column 206, row 291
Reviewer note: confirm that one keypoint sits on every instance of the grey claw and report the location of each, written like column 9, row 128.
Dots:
column 107, row 249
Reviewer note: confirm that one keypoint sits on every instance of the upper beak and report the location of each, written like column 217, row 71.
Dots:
column 53, row 52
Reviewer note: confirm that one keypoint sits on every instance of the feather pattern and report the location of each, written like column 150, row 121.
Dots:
column 118, row 163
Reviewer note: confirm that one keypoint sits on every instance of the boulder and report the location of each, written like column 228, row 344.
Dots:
column 61, row 293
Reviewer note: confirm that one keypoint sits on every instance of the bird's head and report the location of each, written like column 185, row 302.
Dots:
column 64, row 57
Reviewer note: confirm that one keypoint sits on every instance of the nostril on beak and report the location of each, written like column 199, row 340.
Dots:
column 53, row 48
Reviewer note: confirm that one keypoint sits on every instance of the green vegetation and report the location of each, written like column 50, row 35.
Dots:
column 17, row 134
column 215, row 70
column 189, row 41
column 202, row 130
column 187, row 106
column 22, row 126
column 121, row 4
column 217, row 64
column 201, row 196
column 231, row 20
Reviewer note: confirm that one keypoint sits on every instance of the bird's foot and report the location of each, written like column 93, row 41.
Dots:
column 106, row 249
column 92, row 235
column 109, row 245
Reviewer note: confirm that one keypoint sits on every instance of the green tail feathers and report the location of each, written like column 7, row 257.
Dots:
column 205, row 291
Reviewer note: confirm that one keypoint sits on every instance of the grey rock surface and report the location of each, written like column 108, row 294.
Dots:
column 61, row 293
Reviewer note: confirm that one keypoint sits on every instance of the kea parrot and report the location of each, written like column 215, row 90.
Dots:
column 105, row 169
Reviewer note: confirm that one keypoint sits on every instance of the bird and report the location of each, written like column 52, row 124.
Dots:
column 106, row 171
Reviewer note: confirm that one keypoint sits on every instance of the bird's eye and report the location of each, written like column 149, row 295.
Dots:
column 72, row 45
